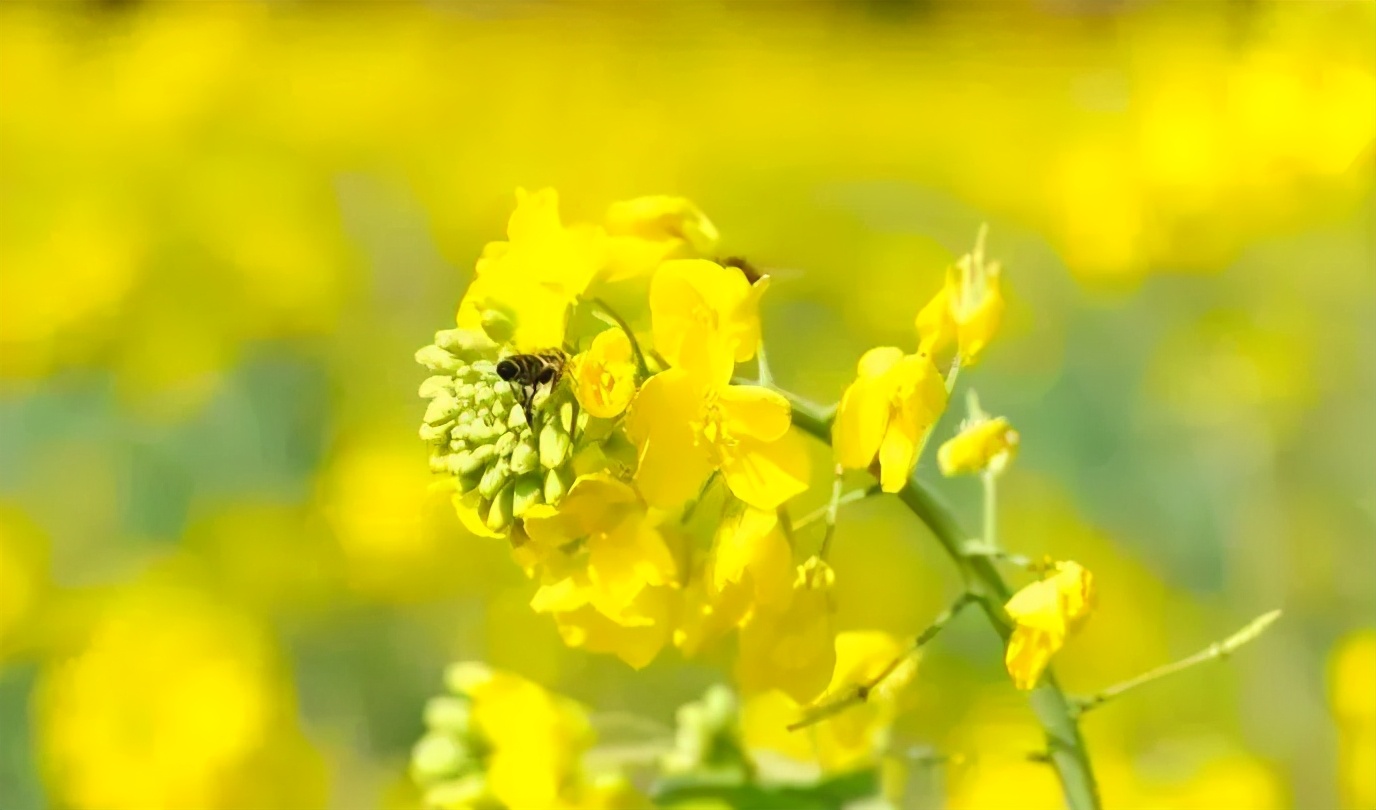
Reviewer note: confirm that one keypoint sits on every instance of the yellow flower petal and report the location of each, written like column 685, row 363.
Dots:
column 878, row 361
column 672, row 466
column 637, row 645
column 897, row 457
column 624, row 562
column 860, row 421
column 936, row 329
column 663, row 218
column 792, row 650
column 1046, row 612
column 978, row 447
column 765, row 474
column 695, row 301
column 751, row 554
column 754, row 411
column 466, row 506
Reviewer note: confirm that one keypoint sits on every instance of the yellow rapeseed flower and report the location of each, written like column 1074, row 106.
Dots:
column 751, row 565
column 888, row 412
column 689, row 420
column 1046, row 612
column 966, row 311
column 1352, row 670
column 535, row 739
column 523, row 287
column 173, row 702
column 694, row 301
column 618, row 551
column 982, row 444
column 849, row 739
column 792, row 650
column 604, row 375
column 647, row 230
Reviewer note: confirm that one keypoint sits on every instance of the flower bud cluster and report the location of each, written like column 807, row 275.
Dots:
column 448, row 763
column 479, row 433
column 707, row 736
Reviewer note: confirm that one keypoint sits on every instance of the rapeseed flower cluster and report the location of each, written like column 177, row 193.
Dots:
column 497, row 740
column 589, row 438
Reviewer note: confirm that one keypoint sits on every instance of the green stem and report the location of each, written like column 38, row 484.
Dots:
column 1217, row 650
column 833, row 507
column 991, row 526
column 849, row 497
column 1056, row 715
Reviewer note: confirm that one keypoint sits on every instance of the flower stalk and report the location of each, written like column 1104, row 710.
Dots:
column 1214, row 652
column 1055, row 712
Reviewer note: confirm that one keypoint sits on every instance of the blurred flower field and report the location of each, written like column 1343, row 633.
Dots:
column 227, row 582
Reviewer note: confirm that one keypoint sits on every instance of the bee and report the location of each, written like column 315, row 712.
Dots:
column 531, row 372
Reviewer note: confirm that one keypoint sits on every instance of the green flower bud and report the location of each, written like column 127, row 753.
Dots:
column 465, row 793
column 494, row 479
column 439, row 463
column 506, row 443
column 448, row 714
column 435, row 433
column 465, row 343
column 498, row 325
column 478, row 459
column 524, row 457
column 486, row 369
column 499, row 514
column 516, row 417
column 530, row 490
column 437, row 756
column 502, row 388
column 483, row 394
column 442, row 408
column 437, row 359
column 555, row 486
column 433, row 386
column 554, row 446
column 462, row 677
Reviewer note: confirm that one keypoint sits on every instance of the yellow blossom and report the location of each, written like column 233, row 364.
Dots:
column 620, row 551
column 888, row 412
column 751, row 564
column 1045, row 613
column 604, row 375
column 849, row 739
column 174, row 701
column 695, row 301
column 966, row 311
column 689, row 420
column 792, row 650
column 985, row 444
column 535, row 739
column 523, row 287
column 1352, row 670
column 634, row 642
column 647, row 230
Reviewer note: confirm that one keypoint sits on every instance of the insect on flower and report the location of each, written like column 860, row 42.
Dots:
column 532, row 372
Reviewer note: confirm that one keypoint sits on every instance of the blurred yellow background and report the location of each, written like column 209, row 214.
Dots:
column 225, row 228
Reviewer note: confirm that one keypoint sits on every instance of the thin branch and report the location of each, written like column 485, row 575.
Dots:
column 848, row 498
column 1215, row 651
column 833, row 507
column 861, row 692
column 640, row 364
